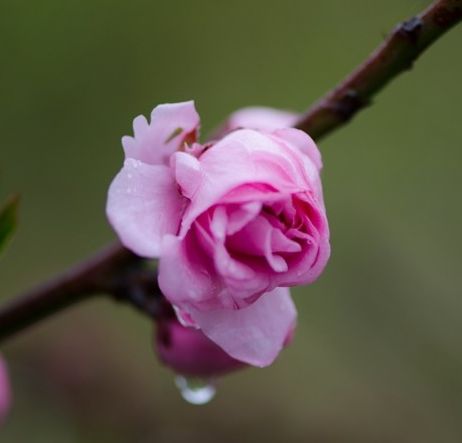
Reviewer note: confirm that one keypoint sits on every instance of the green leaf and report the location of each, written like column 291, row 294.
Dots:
column 8, row 219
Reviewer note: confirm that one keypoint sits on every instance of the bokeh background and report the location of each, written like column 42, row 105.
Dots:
column 378, row 351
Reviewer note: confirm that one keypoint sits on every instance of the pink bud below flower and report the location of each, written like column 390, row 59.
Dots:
column 190, row 353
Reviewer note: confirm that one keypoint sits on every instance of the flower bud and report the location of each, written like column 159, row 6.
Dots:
column 190, row 353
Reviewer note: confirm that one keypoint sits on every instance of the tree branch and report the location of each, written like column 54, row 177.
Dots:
column 396, row 54
column 114, row 271
column 125, row 277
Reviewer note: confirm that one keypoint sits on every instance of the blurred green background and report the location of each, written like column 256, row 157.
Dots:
column 377, row 355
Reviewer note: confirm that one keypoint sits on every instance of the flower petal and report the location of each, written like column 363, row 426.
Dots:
column 144, row 205
column 187, row 171
column 302, row 141
column 172, row 125
column 240, row 215
column 307, row 266
column 241, row 158
column 185, row 272
column 255, row 334
column 191, row 275
column 260, row 118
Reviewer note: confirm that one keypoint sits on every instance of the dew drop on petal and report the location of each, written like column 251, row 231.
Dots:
column 195, row 391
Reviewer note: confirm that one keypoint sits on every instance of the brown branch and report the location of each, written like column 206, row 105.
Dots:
column 397, row 54
column 121, row 274
column 115, row 271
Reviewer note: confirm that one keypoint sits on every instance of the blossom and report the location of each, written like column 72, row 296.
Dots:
column 5, row 393
column 234, row 222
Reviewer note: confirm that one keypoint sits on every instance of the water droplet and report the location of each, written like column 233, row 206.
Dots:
column 129, row 190
column 194, row 390
column 129, row 175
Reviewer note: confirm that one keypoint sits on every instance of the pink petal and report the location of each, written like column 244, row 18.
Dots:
column 186, row 274
column 144, row 205
column 306, row 155
column 255, row 334
column 172, row 125
column 188, row 174
column 240, row 280
column 281, row 243
column 307, row 266
column 240, row 215
column 256, row 239
column 219, row 222
column 253, row 193
column 261, row 118
column 207, row 279
column 302, row 141
column 241, row 158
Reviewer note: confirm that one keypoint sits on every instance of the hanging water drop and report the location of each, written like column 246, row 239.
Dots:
column 195, row 391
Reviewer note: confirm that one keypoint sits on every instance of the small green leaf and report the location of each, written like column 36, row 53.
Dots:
column 174, row 134
column 8, row 219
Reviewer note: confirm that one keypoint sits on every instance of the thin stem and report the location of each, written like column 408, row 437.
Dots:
column 396, row 54
column 121, row 274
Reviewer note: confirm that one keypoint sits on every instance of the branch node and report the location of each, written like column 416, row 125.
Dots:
column 411, row 29
column 395, row 55
column 348, row 104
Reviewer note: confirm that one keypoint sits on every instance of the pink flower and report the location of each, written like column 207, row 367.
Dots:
column 233, row 222
column 5, row 393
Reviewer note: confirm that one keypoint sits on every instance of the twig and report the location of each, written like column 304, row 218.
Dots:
column 397, row 54
column 121, row 274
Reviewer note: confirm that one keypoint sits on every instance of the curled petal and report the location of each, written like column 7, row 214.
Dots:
column 260, row 238
column 246, row 157
column 185, row 274
column 172, row 125
column 307, row 266
column 302, row 141
column 188, row 275
column 144, row 205
column 260, row 118
column 255, row 334
column 187, row 171
column 241, row 215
